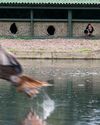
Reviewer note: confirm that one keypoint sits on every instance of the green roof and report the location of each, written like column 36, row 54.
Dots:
column 90, row 2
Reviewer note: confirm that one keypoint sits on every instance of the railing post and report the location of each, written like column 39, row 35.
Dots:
column 31, row 25
column 70, row 28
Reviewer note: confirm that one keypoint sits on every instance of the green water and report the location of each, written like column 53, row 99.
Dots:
column 74, row 98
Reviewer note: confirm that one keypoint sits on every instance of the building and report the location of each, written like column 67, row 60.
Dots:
column 48, row 18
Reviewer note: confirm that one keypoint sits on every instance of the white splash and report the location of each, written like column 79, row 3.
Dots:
column 48, row 107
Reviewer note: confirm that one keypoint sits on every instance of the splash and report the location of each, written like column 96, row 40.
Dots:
column 48, row 106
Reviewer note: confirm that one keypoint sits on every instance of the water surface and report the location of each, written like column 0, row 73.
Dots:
column 74, row 98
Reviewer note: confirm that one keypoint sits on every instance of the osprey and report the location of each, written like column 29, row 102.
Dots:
column 11, row 70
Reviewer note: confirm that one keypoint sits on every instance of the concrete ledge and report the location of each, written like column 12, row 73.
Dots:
column 53, row 48
column 57, row 55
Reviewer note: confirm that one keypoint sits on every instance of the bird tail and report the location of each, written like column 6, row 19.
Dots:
column 30, row 86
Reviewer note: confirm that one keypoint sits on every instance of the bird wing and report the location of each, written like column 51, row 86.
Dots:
column 9, row 66
column 11, row 69
column 30, row 86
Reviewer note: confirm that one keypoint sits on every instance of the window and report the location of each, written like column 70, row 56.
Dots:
column 51, row 30
column 13, row 28
column 86, row 14
column 14, row 13
column 50, row 14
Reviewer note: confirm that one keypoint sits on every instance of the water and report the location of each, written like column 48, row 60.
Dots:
column 74, row 98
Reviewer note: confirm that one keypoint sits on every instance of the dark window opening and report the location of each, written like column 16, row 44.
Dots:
column 86, row 14
column 51, row 30
column 13, row 28
column 50, row 14
column 15, row 13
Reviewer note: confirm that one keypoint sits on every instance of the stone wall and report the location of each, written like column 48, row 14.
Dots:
column 78, row 29
column 40, row 29
column 23, row 29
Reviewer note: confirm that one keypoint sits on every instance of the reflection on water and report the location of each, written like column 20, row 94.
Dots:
column 33, row 119
column 74, row 98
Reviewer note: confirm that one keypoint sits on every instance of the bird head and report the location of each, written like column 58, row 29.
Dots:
column 15, row 80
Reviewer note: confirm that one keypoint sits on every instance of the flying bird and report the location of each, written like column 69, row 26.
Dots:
column 11, row 70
